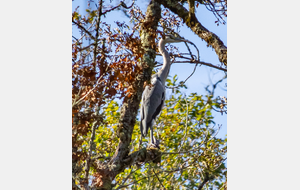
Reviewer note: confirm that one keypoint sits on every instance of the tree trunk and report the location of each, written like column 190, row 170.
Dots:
column 121, row 159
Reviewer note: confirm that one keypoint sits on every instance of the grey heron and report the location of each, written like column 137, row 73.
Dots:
column 154, row 96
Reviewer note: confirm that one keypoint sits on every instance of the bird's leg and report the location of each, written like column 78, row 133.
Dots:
column 153, row 141
column 151, row 136
column 156, row 143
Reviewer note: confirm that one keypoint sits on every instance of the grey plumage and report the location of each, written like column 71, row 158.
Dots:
column 154, row 96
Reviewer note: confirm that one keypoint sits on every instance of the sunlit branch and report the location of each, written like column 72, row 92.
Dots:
column 87, row 30
column 131, row 172
column 223, row 160
column 134, row 182
column 200, row 62
column 206, row 179
column 120, row 4
column 84, row 29
column 91, row 145
column 193, row 23
column 97, row 83
column 158, row 179
column 186, row 124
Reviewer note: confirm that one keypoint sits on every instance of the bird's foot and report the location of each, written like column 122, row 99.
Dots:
column 154, row 145
column 151, row 145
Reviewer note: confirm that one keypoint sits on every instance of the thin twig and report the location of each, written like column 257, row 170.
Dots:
column 189, row 51
column 120, row 4
column 214, row 11
column 78, row 95
column 220, row 163
column 186, row 124
column 87, row 30
column 158, row 179
column 122, row 186
column 184, row 80
column 195, row 149
column 215, row 85
column 132, row 171
column 196, row 49
column 97, row 83
column 81, row 27
column 199, row 62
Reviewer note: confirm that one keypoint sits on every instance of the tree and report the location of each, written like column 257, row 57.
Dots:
column 110, row 66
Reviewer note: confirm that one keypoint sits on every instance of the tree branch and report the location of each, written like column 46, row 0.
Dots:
column 192, row 22
column 158, row 179
column 207, row 177
column 203, row 183
column 82, row 28
column 91, row 145
column 120, row 4
column 199, row 62
column 97, row 32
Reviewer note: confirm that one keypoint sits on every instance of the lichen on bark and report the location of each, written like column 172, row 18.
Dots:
column 122, row 159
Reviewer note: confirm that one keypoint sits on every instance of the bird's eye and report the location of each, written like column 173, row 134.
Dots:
column 168, row 36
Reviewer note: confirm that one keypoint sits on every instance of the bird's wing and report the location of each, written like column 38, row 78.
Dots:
column 142, row 117
column 153, row 101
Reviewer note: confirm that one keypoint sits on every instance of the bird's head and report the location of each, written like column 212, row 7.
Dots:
column 173, row 39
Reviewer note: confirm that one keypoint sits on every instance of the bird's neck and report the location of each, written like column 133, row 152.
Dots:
column 164, row 71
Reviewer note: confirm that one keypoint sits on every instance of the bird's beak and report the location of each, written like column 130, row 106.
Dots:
column 181, row 40
column 187, row 41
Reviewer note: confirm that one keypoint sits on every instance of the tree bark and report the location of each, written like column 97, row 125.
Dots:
column 121, row 159
column 192, row 22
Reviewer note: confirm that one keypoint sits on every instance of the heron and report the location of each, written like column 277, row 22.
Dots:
column 154, row 96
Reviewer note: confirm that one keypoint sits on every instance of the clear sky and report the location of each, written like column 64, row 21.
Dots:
column 203, row 75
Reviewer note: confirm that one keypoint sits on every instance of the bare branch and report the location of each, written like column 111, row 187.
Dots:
column 84, row 29
column 192, row 22
column 120, row 4
column 158, row 179
column 200, row 62
column 77, row 40
column 131, row 172
column 97, row 83
column 184, row 80
column 186, row 124
column 123, row 186
column 206, row 179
